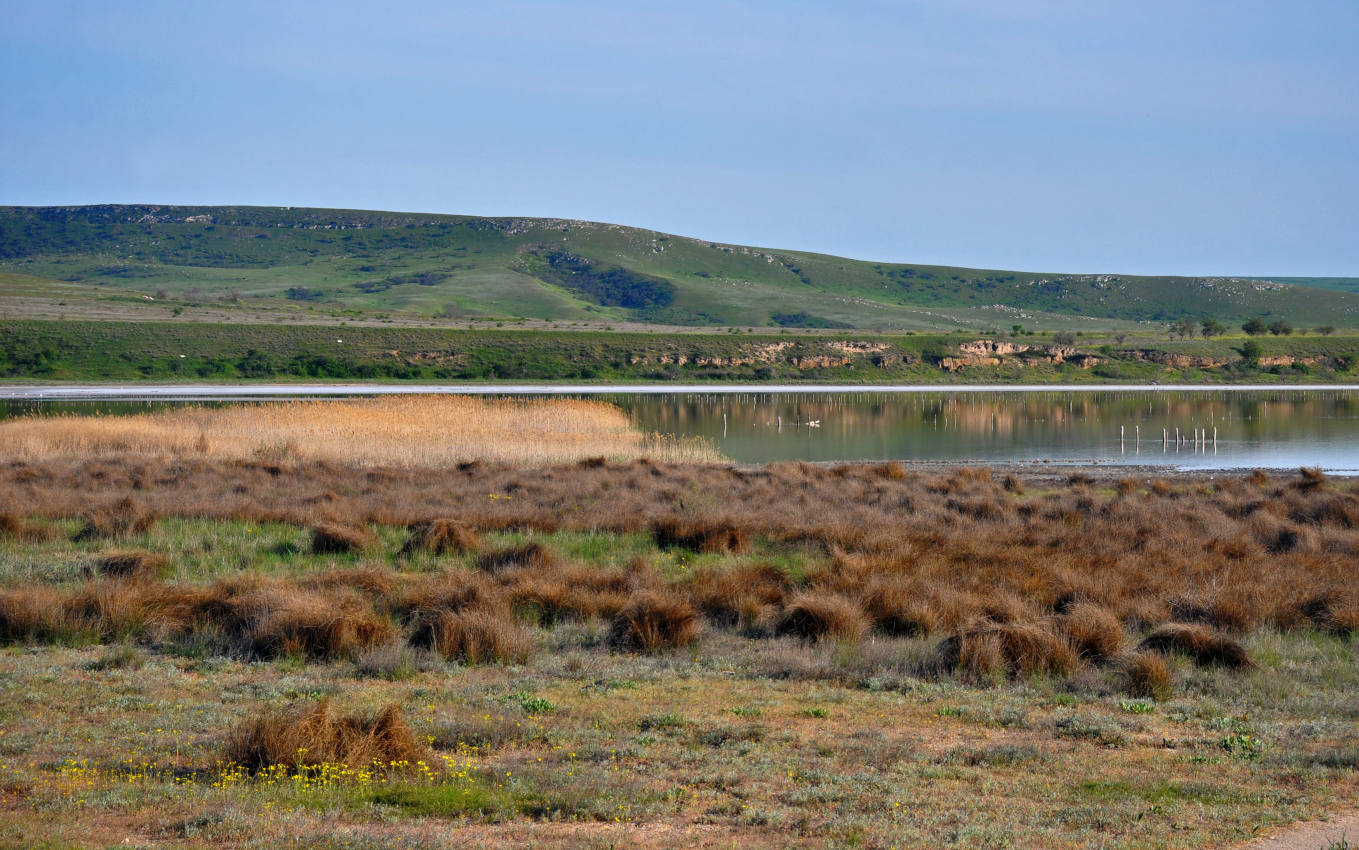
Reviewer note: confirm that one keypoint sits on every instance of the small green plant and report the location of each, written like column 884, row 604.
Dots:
column 659, row 722
column 1241, row 746
column 529, row 703
column 814, row 712
column 1137, row 706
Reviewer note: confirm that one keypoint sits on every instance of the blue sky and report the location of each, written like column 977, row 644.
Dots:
column 1194, row 137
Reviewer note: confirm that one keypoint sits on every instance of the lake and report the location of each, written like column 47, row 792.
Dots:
column 1186, row 428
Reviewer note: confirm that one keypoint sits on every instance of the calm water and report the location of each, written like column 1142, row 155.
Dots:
column 1269, row 428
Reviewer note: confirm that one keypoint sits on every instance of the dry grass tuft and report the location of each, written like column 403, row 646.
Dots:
column 744, row 596
column 1335, row 612
column 984, row 648
column 1199, row 642
column 334, row 539
column 479, row 635
column 15, row 527
column 1146, row 675
column 815, row 617
column 529, row 556
column 278, row 619
column 32, row 615
column 896, row 608
column 441, row 536
column 133, row 564
column 1309, row 478
column 713, row 536
column 1094, row 630
column 305, row 736
column 652, row 622
column 120, row 519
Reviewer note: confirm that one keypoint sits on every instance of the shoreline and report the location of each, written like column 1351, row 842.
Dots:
column 213, row 392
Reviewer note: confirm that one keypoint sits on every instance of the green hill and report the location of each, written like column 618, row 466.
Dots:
column 314, row 261
column 1339, row 284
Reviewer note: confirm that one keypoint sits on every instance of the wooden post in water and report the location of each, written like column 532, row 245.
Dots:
column 1121, row 446
column 1137, row 439
column 1214, row 439
column 1165, row 438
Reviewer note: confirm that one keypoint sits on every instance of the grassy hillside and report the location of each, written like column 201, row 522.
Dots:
column 339, row 262
column 201, row 351
column 1339, row 284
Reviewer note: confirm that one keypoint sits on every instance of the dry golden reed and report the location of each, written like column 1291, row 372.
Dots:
column 402, row 431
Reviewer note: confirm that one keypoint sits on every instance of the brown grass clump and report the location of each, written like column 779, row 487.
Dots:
column 1199, row 642
column 133, row 564
column 122, row 518
column 1309, row 478
column 1333, row 612
column 1094, row 630
column 32, row 614
column 16, row 527
column 531, row 556
column 742, row 596
column 567, row 591
column 473, row 636
column 115, row 609
column 896, row 608
column 652, row 622
column 815, row 616
column 280, row 619
column 441, row 536
column 720, row 536
column 984, row 647
column 1146, row 675
column 892, row 469
column 334, row 539
column 305, row 736
column 372, row 581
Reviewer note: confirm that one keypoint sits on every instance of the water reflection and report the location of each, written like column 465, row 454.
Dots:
column 1193, row 429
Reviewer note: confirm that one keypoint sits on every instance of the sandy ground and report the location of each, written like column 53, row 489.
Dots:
column 1341, row 831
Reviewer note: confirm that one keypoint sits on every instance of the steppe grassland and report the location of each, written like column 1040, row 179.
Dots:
column 402, row 431
column 633, row 653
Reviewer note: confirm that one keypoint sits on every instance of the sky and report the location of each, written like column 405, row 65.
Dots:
column 1204, row 137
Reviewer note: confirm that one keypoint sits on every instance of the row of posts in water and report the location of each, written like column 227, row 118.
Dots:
column 1197, row 440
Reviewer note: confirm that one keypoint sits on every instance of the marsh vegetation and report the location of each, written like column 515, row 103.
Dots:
column 248, row 652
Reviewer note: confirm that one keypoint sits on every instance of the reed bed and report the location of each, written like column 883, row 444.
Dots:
column 404, row 431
